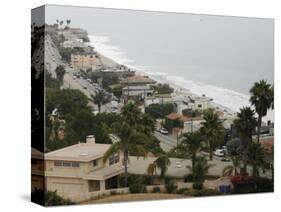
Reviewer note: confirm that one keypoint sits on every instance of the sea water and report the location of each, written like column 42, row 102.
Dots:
column 223, row 96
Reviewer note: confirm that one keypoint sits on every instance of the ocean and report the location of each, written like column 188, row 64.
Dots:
column 230, row 97
column 219, row 56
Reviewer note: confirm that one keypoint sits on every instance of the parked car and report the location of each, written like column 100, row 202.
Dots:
column 219, row 153
column 164, row 131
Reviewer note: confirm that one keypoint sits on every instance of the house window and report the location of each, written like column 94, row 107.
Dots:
column 75, row 164
column 111, row 160
column 95, row 163
column 199, row 105
column 58, row 163
column 66, row 164
column 114, row 158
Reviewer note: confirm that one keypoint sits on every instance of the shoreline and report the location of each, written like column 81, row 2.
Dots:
column 114, row 53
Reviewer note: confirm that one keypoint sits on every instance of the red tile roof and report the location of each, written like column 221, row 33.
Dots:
column 174, row 116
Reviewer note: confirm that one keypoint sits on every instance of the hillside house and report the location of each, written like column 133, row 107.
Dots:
column 79, row 171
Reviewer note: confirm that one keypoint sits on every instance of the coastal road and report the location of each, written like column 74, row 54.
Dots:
column 88, row 89
column 166, row 142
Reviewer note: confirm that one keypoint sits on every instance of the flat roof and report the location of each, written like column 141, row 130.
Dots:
column 177, row 168
column 105, row 172
column 83, row 152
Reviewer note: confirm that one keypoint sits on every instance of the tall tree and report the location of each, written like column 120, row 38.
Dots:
column 162, row 162
column 256, row 158
column 61, row 23
column 131, row 114
column 128, row 145
column 212, row 129
column 60, row 71
column 232, row 169
column 100, row 99
column 262, row 99
column 146, row 125
column 190, row 145
column 245, row 125
column 200, row 169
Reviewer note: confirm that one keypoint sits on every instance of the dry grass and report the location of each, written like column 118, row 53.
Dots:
column 135, row 197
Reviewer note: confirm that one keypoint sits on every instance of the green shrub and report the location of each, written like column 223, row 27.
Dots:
column 197, row 186
column 137, row 188
column 182, row 191
column 132, row 179
column 53, row 199
column 188, row 178
column 170, row 186
column 156, row 190
column 264, row 185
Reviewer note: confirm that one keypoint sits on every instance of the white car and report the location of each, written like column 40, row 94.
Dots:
column 164, row 131
column 219, row 153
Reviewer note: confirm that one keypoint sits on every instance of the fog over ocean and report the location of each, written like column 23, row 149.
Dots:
column 219, row 56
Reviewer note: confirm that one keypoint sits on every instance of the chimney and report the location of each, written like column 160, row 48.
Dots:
column 90, row 139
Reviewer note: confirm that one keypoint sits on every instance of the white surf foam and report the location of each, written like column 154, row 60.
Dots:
column 102, row 45
column 222, row 96
column 225, row 97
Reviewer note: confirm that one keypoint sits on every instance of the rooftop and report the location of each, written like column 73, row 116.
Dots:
column 137, row 79
column 83, row 152
column 105, row 172
column 177, row 167
column 137, row 87
column 174, row 116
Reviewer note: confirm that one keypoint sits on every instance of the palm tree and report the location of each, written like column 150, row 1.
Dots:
column 68, row 21
column 100, row 99
column 61, row 23
column 189, row 146
column 128, row 144
column 232, row 169
column 147, row 124
column 212, row 129
column 256, row 158
column 262, row 98
column 152, row 169
column 131, row 114
column 245, row 125
column 162, row 162
column 200, row 169
column 271, row 97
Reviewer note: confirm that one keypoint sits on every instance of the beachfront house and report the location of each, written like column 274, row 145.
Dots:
column 182, row 122
column 85, row 61
column 75, row 43
column 79, row 172
column 141, row 91
column 201, row 103
column 158, row 99
column 137, row 87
